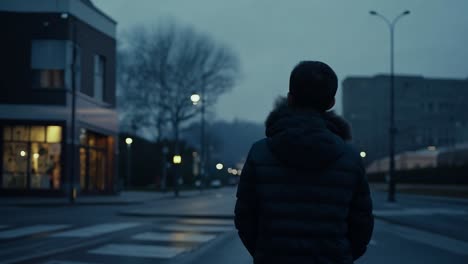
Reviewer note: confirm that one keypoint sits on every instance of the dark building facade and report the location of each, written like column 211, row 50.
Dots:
column 48, row 50
column 429, row 112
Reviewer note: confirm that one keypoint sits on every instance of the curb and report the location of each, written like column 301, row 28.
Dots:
column 162, row 215
column 98, row 203
column 69, row 204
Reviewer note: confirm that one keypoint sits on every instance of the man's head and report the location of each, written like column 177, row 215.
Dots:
column 312, row 85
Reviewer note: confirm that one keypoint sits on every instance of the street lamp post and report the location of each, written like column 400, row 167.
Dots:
column 165, row 150
column 392, row 127
column 129, row 142
column 196, row 98
column 73, row 156
column 177, row 160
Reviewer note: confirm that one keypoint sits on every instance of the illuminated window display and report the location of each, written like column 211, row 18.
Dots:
column 32, row 157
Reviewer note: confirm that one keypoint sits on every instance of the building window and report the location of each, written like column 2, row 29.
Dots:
column 48, row 63
column 99, row 69
column 31, row 157
column 48, row 78
column 51, row 63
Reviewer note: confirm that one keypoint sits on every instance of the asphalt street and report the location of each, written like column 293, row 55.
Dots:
column 199, row 229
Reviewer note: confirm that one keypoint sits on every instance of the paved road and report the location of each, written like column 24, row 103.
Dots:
column 203, row 232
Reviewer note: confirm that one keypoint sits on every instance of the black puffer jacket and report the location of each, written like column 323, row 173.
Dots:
column 303, row 196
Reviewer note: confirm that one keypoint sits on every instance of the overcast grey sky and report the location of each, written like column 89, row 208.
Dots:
column 271, row 36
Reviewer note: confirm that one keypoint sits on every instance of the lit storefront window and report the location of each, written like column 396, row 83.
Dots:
column 31, row 157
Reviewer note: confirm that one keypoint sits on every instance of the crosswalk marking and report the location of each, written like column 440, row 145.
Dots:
column 143, row 251
column 196, row 228
column 173, row 237
column 25, row 231
column 96, row 230
column 207, row 222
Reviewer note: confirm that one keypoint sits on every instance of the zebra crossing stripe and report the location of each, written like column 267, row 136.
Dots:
column 30, row 230
column 196, row 228
column 96, row 230
column 173, row 237
column 142, row 251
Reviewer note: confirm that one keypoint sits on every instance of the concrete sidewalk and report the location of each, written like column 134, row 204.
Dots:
column 123, row 198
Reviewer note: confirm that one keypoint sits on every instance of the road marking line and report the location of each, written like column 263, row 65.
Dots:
column 3, row 226
column 96, row 230
column 420, row 212
column 65, row 262
column 173, row 237
column 431, row 239
column 196, row 228
column 25, row 231
column 142, row 251
column 207, row 222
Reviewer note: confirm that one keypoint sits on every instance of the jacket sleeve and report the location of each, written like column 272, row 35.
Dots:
column 246, row 207
column 360, row 218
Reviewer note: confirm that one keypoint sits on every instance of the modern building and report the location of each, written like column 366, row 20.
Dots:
column 428, row 112
column 52, row 139
column 409, row 160
column 431, row 157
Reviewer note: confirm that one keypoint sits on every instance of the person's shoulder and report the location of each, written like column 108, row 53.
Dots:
column 260, row 152
column 351, row 158
column 258, row 147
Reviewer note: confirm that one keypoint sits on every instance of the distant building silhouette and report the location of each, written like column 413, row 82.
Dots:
column 36, row 51
column 428, row 112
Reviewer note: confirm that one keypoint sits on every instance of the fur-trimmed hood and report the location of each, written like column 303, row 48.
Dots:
column 305, row 138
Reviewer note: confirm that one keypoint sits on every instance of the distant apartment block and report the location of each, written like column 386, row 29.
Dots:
column 39, row 40
column 429, row 112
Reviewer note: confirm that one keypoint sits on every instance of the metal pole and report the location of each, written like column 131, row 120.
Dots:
column 129, row 165
column 164, row 168
column 392, row 126
column 392, row 129
column 202, row 138
column 72, row 191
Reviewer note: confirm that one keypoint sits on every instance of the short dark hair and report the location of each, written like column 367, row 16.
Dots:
column 313, row 84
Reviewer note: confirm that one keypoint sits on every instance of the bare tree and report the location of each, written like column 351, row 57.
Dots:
column 166, row 65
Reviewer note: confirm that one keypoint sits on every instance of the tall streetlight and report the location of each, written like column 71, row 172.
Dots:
column 165, row 150
column 129, row 142
column 73, row 157
column 392, row 127
column 196, row 99
column 177, row 160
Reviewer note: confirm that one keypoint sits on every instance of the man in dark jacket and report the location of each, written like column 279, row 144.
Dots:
column 303, row 196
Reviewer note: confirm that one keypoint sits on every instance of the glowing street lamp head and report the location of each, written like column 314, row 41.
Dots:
column 22, row 153
column 195, row 98
column 36, row 155
column 363, row 154
column 129, row 141
column 177, row 159
column 234, row 172
column 219, row 166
